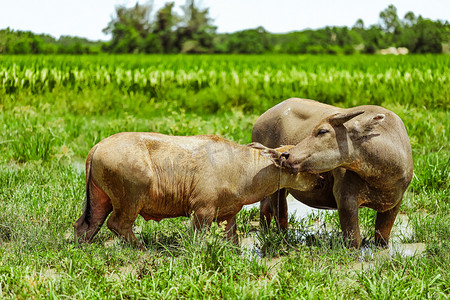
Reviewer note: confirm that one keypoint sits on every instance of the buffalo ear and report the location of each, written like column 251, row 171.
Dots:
column 368, row 126
column 339, row 119
column 274, row 155
column 257, row 146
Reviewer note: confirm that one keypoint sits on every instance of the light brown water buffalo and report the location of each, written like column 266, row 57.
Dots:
column 363, row 153
column 159, row 176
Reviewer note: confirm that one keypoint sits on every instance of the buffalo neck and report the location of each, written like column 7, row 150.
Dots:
column 375, row 167
column 261, row 178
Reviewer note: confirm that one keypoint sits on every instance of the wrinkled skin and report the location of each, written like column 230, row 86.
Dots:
column 159, row 176
column 363, row 153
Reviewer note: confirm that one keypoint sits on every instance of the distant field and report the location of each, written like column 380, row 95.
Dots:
column 217, row 83
column 53, row 109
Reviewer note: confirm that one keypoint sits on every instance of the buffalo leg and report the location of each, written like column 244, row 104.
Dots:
column 121, row 224
column 348, row 218
column 265, row 213
column 274, row 206
column 383, row 225
column 230, row 229
column 98, row 207
column 346, row 189
column 201, row 220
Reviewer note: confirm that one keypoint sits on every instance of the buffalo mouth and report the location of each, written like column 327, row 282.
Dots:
column 288, row 164
column 297, row 167
column 291, row 167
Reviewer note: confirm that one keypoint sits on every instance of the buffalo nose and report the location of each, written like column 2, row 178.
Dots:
column 285, row 155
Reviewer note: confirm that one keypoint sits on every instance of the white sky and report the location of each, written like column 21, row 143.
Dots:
column 87, row 18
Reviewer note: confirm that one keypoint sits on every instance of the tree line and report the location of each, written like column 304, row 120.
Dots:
column 26, row 42
column 136, row 30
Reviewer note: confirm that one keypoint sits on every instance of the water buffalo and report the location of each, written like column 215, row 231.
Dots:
column 363, row 153
column 159, row 176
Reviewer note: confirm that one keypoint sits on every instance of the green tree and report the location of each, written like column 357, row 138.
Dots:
column 409, row 19
column 249, row 41
column 151, row 44
column 423, row 35
column 165, row 25
column 359, row 25
column 373, row 39
column 292, row 42
column 220, row 43
column 129, row 29
column 390, row 23
column 429, row 36
column 196, row 33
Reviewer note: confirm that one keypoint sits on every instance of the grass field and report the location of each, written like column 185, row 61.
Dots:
column 53, row 109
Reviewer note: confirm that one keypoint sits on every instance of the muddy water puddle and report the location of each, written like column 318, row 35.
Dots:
column 402, row 230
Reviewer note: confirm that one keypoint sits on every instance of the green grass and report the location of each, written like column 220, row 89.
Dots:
column 53, row 109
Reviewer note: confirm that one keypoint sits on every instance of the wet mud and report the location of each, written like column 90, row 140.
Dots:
column 401, row 231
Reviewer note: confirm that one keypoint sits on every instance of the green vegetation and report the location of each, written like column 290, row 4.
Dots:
column 26, row 42
column 54, row 109
column 135, row 30
column 211, row 84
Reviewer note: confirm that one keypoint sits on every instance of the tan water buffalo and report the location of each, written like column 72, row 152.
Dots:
column 363, row 153
column 159, row 176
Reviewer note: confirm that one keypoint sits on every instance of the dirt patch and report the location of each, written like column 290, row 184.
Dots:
column 123, row 272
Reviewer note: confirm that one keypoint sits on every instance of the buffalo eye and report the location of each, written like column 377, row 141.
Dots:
column 322, row 132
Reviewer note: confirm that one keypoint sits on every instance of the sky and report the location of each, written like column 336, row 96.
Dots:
column 87, row 18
